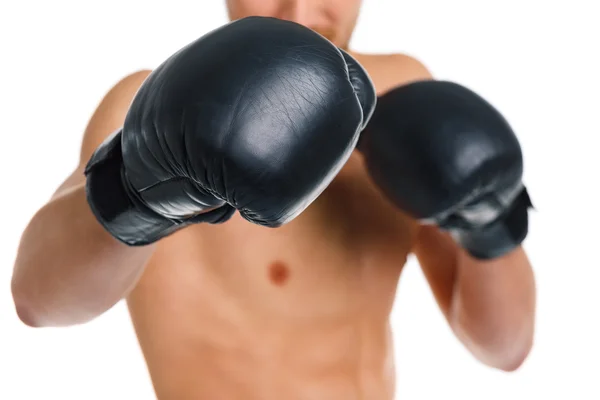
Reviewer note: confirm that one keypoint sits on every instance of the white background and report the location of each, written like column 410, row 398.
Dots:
column 537, row 61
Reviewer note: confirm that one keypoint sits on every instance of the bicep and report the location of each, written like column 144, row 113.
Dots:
column 106, row 119
column 437, row 255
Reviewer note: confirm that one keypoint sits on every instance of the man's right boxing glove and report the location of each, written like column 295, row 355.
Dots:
column 257, row 116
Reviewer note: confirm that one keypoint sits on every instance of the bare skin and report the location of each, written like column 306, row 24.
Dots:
column 299, row 312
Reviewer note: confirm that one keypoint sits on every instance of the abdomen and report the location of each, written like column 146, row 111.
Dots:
column 297, row 312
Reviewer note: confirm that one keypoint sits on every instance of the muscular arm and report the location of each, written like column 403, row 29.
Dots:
column 68, row 269
column 490, row 305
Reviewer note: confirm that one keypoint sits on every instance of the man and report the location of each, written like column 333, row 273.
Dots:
column 258, row 242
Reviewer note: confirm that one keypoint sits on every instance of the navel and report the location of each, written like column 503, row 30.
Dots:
column 279, row 273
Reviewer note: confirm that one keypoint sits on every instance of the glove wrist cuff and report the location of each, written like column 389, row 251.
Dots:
column 501, row 236
column 119, row 209
column 113, row 204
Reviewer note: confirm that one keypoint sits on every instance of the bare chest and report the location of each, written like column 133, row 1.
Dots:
column 225, row 306
column 344, row 253
column 314, row 295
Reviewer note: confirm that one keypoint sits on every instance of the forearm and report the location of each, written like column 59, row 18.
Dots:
column 492, row 308
column 68, row 269
column 445, row 156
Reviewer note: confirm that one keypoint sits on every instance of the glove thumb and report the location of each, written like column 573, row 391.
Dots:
column 363, row 87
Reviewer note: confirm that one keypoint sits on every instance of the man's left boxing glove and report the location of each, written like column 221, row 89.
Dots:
column 446, row 156
column 257, row 116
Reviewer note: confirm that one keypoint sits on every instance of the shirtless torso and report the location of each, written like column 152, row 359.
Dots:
column 238, row 311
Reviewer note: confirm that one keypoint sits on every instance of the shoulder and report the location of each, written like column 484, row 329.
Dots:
column 391, row 70
column 129, row 84
column 110, row 112
column 122, row 91
column 412, row 67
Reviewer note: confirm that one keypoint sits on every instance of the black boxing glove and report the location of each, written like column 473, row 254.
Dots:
column 257, row 116
column 444, row 155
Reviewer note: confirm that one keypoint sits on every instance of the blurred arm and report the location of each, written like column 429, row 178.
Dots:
column 68, row 269
column 490, row 304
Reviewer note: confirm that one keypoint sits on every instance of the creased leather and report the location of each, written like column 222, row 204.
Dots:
column 446, row 156
column 257, row 116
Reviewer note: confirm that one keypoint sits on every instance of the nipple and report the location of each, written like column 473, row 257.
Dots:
column 278, row 273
